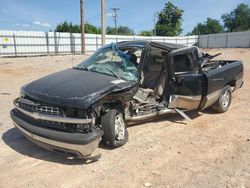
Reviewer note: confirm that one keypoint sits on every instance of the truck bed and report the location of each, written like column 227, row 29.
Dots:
column 221, row 73
column 216, row 64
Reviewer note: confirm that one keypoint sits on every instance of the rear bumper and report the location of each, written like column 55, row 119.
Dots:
column 72, row 144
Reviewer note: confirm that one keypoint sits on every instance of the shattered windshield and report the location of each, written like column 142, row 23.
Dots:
column 111, row 61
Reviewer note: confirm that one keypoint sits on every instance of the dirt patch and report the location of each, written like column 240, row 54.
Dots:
column 213, row 150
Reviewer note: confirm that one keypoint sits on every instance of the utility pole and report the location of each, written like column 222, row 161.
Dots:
column 82, row 26
column 103, row 21
column 115, row 16
column 155, row 15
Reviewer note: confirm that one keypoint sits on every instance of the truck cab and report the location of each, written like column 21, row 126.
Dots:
column 183, row 80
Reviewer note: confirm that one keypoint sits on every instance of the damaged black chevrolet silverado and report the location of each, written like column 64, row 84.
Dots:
column 71, row 111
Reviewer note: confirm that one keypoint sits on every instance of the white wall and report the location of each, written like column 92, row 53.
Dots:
column 24, row 43
column 225, row 40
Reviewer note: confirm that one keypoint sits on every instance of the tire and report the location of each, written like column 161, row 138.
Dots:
column 224, row 100
column 114, row 127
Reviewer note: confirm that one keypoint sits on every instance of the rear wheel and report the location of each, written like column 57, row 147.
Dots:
column 224, row 101
column 114, row 127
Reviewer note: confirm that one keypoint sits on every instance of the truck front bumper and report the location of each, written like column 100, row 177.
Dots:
column 71, row 144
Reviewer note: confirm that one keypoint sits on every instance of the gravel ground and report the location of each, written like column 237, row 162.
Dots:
column 213, row 150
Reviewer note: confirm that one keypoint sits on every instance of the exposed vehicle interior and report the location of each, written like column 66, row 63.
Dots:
column 153, row 80
column 182, row 63
column 134, row 54
column 154, row 75
column 154, row 71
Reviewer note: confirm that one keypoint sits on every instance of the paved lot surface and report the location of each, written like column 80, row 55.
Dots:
column 213, row 150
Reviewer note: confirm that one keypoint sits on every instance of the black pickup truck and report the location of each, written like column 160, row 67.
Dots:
column 71, row 111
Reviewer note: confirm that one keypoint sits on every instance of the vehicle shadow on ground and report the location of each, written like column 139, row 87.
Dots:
column 209, row 111
column 15, row 140
column 174, row 118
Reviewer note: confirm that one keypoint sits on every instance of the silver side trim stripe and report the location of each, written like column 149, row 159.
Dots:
column 182, row 101
column 212, row 98
column 39, row 116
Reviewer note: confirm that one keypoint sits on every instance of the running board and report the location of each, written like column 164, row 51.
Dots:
column 182, row 114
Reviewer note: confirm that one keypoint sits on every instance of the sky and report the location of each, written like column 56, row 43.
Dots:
column 44, row 15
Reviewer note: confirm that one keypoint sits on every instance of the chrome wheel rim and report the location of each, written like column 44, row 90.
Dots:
column 119, row 127
column 225, row 98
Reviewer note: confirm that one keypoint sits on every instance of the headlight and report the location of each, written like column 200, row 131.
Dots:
column 21, row 94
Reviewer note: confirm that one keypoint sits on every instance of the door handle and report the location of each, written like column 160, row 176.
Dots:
column 217, row 79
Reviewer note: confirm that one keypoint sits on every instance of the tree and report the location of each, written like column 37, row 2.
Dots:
column 169, row 21
column 146, row 33
column 238, row 19
column 110, row 30
column 210, row 26
column 68, row 27
column 74, row 28
column 121, row 30
column 92, row 29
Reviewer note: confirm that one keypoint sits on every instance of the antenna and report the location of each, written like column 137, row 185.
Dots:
column 115, row 16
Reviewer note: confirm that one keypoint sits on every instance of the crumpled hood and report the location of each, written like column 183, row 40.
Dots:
column 74, row 88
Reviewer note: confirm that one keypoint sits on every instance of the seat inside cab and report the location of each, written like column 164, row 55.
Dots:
column 154, row 71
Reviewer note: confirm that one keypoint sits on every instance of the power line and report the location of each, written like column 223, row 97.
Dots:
column 145, row 22
column 93, row 17
column 115, row 16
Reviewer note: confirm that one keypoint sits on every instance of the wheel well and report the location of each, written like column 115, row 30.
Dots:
column 232, row 83
column 103, row 108
column 117, row 105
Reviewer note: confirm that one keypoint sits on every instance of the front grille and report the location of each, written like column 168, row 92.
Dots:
column 40, row 108
column 35, row 106
column 58, row 126
column 53, row 124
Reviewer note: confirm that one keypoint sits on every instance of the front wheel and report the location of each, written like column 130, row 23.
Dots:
column 114, row 127
column 224, row 100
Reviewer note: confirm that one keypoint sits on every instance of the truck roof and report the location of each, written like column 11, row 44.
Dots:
column 143, row 43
